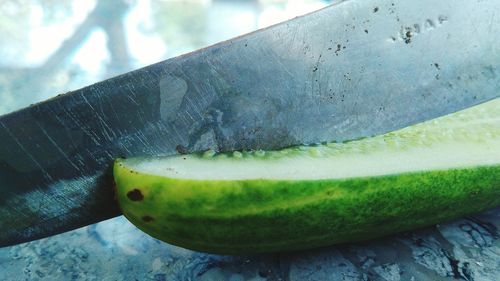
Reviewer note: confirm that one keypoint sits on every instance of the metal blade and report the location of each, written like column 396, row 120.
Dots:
column 354, row 69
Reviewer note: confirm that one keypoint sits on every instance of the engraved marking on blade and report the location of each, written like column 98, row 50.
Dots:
column 408, row 32
column 172, row 91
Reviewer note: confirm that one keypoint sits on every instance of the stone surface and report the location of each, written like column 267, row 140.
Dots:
column 464, row 249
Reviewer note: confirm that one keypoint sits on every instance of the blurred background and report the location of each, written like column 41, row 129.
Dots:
column 48, row 47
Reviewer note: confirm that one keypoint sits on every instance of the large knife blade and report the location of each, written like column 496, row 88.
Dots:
column 354, row 69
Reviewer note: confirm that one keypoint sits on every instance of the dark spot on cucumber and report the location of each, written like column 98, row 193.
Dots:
column 135, row 195
column 148, row 219
column 375, row 9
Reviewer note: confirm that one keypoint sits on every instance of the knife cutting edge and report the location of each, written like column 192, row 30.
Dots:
column 354, row 69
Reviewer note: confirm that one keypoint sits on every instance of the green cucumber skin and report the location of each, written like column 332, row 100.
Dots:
column 256, row 216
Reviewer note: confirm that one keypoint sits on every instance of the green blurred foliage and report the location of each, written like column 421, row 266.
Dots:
column 180, row 30
column 55, row 10
column 15, row 19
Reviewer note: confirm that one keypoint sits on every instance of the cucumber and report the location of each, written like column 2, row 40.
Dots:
column 311, row 196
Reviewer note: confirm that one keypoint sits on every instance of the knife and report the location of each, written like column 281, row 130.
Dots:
column 354, row 69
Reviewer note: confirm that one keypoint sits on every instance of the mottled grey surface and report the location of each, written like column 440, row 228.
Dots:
column 464, row 249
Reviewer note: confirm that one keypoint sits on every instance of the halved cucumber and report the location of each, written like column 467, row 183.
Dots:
column 311, row 196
